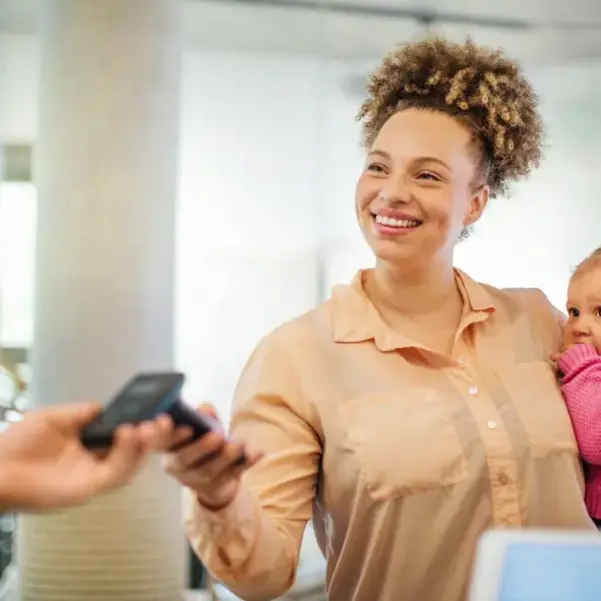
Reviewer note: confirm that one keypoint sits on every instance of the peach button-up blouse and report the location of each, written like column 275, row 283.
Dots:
column 402, row 456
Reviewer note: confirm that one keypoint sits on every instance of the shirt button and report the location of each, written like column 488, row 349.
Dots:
column 473, row 390
column 503, row 480
column 492, row 424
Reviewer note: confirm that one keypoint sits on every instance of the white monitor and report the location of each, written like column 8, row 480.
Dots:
column 537, row 565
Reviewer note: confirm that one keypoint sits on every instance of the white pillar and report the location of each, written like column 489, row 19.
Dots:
column 105, row 166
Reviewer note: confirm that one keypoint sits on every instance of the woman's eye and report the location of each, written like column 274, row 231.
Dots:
column 428, row 175
column 377, row 167
column 573, row 312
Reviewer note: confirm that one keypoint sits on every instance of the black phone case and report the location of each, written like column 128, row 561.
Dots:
column 184, row 415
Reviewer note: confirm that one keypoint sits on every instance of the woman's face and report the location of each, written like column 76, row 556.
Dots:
column 418, row 191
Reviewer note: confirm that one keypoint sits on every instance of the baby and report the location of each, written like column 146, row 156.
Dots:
column 579, row 367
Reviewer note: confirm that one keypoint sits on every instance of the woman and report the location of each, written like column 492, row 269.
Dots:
column 416, row 408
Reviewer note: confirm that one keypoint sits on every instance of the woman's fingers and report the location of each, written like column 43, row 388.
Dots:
column 194, row 454
column 210, row 461
column 226, row 460
column 208, row 409
column 160, row 434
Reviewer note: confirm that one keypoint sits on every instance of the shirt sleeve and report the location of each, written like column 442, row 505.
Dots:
column 252, row 545
column 581, row 387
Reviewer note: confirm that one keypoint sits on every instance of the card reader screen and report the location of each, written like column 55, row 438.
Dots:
column 536, row 571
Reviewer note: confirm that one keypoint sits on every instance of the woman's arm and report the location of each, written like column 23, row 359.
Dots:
column 252, row 545
column 581, row 387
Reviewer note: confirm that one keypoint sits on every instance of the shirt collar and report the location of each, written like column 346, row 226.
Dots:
column 356, row 319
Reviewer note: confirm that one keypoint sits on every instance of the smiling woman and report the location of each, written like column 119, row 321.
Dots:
column 430, row 184
column 470, row 126
column 416, row 407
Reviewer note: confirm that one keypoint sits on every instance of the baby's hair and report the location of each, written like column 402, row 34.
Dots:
column 478, row 86
column 593, row 260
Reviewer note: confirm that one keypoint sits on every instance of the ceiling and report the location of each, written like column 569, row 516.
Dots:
column 245, row 25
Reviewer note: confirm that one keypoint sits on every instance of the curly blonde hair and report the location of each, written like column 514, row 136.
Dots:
column 478, row 86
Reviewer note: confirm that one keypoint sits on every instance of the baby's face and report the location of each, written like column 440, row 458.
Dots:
column 584, row 308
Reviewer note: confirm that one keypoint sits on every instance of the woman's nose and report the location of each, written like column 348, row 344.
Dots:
column 396, row 193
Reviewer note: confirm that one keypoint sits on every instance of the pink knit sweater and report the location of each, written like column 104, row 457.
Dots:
column 581, row 386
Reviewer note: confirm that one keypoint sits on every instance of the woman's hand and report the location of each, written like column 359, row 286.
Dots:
column 554, row 361
column 555, row 357
column 567, row 343
column 211, row 466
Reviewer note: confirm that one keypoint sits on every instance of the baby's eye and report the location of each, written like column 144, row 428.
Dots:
column 598, row 312
column 573, row 312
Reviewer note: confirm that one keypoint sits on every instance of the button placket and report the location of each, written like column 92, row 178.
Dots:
column 503, row 480
column 499, row 458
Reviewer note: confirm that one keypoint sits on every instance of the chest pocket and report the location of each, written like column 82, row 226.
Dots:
column 404, row 442
column 532, row 392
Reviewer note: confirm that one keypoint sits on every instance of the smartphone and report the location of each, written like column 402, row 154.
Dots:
column 145, row 397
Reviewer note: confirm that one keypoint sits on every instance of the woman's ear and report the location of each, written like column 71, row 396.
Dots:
column 478, row 203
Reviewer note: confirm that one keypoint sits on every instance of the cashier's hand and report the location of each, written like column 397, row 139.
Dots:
column 43, row 464
column 210, row 466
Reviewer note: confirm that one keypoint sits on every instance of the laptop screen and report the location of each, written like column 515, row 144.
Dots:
column 535, row 571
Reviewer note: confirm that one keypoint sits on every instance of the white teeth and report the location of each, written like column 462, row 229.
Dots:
column 391, row 222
